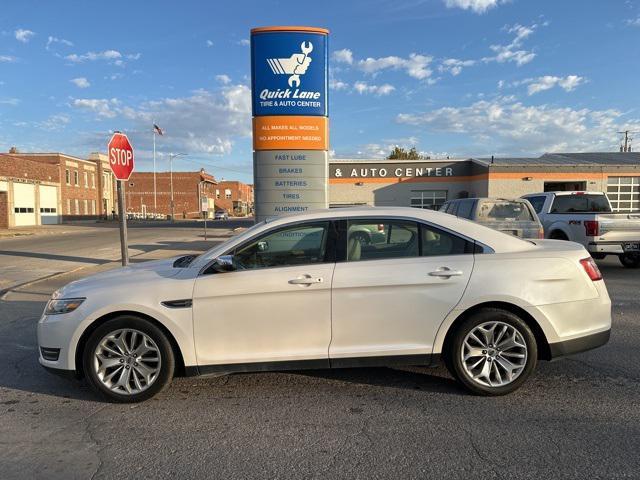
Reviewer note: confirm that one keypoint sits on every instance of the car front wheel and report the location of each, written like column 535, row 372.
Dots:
column 492, row 352
column 128, row 359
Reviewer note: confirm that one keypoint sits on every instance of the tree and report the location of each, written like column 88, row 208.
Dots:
column 399, row 153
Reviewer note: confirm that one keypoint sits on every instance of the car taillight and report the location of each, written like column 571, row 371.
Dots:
column 591, row 228
column 591, row 268
column 541, row 233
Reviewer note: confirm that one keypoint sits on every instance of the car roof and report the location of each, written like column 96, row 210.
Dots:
column 498, row 241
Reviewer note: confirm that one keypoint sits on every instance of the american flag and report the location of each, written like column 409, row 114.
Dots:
column 157, row 129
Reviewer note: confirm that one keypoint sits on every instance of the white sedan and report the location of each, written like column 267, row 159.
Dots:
column 330, row 289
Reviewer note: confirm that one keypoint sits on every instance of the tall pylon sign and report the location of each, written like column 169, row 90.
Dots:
column 289, row 81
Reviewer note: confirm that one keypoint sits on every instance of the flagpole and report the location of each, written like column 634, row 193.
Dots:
column 155, row 206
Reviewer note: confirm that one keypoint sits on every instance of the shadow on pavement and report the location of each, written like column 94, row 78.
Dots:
column 53, row 256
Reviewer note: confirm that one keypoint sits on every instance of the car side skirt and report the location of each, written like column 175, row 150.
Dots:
column 352, row 362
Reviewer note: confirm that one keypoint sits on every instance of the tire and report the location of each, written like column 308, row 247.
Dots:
column 630, row 260
column 492, row 360
column 114, row 354
column 558, row 235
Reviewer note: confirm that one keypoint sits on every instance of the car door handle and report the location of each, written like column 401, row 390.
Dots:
column 445, row 272
column 306, row 280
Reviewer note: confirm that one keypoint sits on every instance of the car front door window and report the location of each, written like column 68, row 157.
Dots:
column 298, row 245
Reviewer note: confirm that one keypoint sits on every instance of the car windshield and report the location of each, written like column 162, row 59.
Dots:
column 583, row 203
column 504, row 210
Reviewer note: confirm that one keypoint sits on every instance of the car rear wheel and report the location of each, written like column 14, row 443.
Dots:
column 128, row 359
column 492, row 352
column 630, row 260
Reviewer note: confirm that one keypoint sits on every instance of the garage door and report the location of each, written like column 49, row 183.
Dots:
column 24, row 203
column 48, row 205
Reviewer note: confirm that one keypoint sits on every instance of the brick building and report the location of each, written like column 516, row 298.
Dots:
column 236, row 198
column 190, row 189
column 29, row 192
column 49, row 188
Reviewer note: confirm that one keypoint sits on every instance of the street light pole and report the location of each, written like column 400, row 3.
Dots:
column 171, row 157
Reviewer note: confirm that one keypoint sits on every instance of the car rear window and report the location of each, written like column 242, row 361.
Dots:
column 580, row 204
column 504, row 210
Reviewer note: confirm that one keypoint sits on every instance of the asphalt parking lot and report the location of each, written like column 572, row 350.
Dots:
column 576, row 418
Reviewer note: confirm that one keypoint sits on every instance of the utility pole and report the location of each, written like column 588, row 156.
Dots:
column 171, row 157
column 626, row 146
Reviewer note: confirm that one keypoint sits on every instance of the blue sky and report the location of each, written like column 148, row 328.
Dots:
column 450, row 77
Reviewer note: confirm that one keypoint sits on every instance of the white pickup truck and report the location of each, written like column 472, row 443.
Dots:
column 587, row 218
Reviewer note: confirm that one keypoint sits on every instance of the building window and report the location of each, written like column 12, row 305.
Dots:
column 227, row 193
column 624, row 193
column 67, row 175
column 93, row 207
column 68, row 206
column 86, row 179
column 47, row 210
column 75, row 178
column 93, row 180
column 217, row 194
column 86, row 207
column 77, row 206
column 432, row 199
column 23, row 210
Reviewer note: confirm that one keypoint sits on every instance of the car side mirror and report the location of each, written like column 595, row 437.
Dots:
column 224, row 263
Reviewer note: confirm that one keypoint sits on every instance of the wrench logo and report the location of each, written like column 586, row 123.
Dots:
column 293, row 66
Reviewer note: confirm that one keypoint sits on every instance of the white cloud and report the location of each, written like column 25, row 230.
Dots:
column 102, row 107
column 55, row 40
column 513, row 51
column 478, row 6
column 223, row 79
column 80, row 82
column 379, row 90
column 9, row 101
column 337, row 84
column 506, row 125
column 111, row 56
column 54, row 122
column 243, row 42
column 454, row 65
column 633, row 22
column 343, row 56
column 23, row 35
column 415, row 65
column 209, row 43
column 205, row 122
column 547, row 82
column 7, row 59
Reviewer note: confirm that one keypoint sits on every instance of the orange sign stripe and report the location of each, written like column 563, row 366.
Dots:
column 277, row 28
column 290, row 132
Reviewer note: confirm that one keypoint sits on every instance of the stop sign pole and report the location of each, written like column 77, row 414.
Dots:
column 121, row 162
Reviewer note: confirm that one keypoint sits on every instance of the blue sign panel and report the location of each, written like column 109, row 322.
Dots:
column 289, row 73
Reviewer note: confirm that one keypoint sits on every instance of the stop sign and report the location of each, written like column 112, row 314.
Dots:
column 120, row 156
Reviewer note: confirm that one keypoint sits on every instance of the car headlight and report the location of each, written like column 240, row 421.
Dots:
column 62, row 305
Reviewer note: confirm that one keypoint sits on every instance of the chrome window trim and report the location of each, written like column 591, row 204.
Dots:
column 486, row 249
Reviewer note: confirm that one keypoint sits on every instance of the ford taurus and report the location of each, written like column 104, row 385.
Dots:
column 328, row 289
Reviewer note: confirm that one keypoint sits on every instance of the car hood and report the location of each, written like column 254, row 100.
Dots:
column 138, row 274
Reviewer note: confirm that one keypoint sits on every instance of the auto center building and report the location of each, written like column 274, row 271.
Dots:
column 430, row 183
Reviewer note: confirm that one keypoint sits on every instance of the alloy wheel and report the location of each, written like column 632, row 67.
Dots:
column 127, row 361
column 494, row 354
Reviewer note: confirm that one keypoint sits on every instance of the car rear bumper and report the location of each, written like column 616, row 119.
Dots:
column 580, row 344
column 616, row 248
